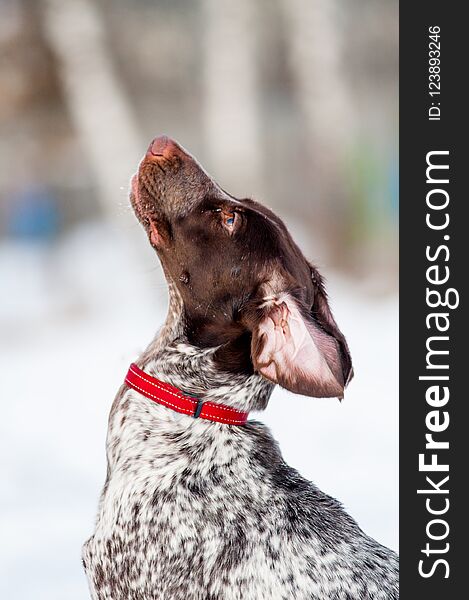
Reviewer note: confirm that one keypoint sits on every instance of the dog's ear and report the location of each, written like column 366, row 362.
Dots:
column 303, row 351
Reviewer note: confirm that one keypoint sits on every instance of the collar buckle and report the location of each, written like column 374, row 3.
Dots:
column 198, row 408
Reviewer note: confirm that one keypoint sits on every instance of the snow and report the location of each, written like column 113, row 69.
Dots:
column 72, row 317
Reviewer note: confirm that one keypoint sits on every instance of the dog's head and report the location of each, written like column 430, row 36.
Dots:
column 246, row 287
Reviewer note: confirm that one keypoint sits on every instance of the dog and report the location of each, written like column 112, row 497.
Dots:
column 198, row 503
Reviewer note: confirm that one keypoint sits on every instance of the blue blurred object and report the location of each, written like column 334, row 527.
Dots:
column 33, row 214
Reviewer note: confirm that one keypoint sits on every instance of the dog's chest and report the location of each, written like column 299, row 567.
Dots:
column 192, row 511
column 180, row 504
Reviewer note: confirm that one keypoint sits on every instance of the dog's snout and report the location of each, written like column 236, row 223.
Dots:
column 161, row 182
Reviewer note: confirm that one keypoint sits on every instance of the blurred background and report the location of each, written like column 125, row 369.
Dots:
column 293, row 102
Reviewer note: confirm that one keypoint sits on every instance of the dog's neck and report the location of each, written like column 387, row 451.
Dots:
column 193, row 370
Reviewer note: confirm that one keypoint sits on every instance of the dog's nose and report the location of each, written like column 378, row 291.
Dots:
column 162, row 146
column 158, row 145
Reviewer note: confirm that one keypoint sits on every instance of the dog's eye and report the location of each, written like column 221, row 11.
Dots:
column 230, row 219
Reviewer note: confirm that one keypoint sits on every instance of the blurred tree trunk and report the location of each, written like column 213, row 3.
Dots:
column 315, row 61
column 95, row 98
column 231, row 90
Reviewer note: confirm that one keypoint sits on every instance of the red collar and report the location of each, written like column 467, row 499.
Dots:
column 171, row 397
